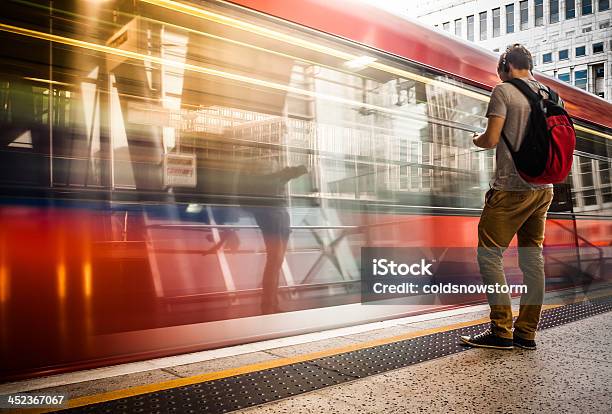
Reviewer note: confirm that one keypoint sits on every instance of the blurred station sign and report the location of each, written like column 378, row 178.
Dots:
column 180, row 170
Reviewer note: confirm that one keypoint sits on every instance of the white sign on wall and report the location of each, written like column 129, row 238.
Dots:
column 180, row 170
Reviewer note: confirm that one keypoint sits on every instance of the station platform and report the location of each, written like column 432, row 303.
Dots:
column 415, row 364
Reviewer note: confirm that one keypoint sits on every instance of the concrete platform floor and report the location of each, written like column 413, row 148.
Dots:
column 78, row 385
column 570, row 372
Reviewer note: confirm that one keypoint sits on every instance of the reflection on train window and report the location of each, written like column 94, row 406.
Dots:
column 227, row 88
column 591, row 183
column 605, row 180
column 232, row 90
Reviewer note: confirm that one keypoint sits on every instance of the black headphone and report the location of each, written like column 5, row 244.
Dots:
column 505, row 67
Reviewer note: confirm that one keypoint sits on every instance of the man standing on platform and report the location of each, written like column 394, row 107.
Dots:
column 512, row 207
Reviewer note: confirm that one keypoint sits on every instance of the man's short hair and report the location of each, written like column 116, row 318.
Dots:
column 518, row 56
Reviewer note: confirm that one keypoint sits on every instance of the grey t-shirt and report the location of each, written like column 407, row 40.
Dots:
column 509, row 103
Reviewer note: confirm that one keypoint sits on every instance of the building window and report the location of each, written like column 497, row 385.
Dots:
column 580, row 51
column 565, row 77
column 570, row 9
column 458, row 27
column 483, row 25
column 587, row 7
column 524, row 7
column 510, row 18
column 604, row 25
column 563, row 54
column 553, row 5
column 580, row 79
column 496, row 22
column 547, row 58
column 598, row 47
column 470, row 27
column 599, row 72
column 604, row 5
column 446, row 26
column 586, row 29
column 539, row 12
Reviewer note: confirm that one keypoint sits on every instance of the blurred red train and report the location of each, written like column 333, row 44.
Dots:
column 129, row 130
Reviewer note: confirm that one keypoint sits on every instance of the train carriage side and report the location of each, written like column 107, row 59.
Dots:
column 146, row 188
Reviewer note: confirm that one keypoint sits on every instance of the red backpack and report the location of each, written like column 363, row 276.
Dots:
column 546, row 153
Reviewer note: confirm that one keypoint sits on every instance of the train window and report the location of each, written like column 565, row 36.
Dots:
column 587, row 190
column 232, row 89
column 236, row 90
column 24, row 123
column 593, row 180
column 604, row 171
column 586, row 172
column 605, row 177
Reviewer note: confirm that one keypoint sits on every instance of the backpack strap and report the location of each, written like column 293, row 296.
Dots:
column 553, row 96
column 508, row 144
column 526, row 90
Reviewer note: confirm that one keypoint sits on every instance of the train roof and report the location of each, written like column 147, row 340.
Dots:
column 409, row 39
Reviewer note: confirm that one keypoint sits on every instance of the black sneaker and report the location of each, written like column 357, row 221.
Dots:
column 524, row 343
column 487, row 339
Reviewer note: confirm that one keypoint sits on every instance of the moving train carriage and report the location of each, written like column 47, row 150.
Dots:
column 144, row 154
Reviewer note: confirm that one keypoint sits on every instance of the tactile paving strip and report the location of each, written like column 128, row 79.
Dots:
column 247, row 390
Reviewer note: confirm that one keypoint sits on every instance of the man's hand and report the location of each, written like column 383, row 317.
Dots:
column 490, row 137
column 475, row 137
column 289, row 173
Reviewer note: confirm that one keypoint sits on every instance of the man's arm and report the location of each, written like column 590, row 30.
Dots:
column 490, row 137
column 289, row 173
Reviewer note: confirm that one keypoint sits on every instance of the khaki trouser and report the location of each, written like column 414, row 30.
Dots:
column 505, row 214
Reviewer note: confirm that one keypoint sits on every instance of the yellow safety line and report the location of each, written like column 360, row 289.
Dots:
column 245, row 369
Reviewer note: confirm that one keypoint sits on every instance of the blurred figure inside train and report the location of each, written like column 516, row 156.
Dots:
column 263, row 194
